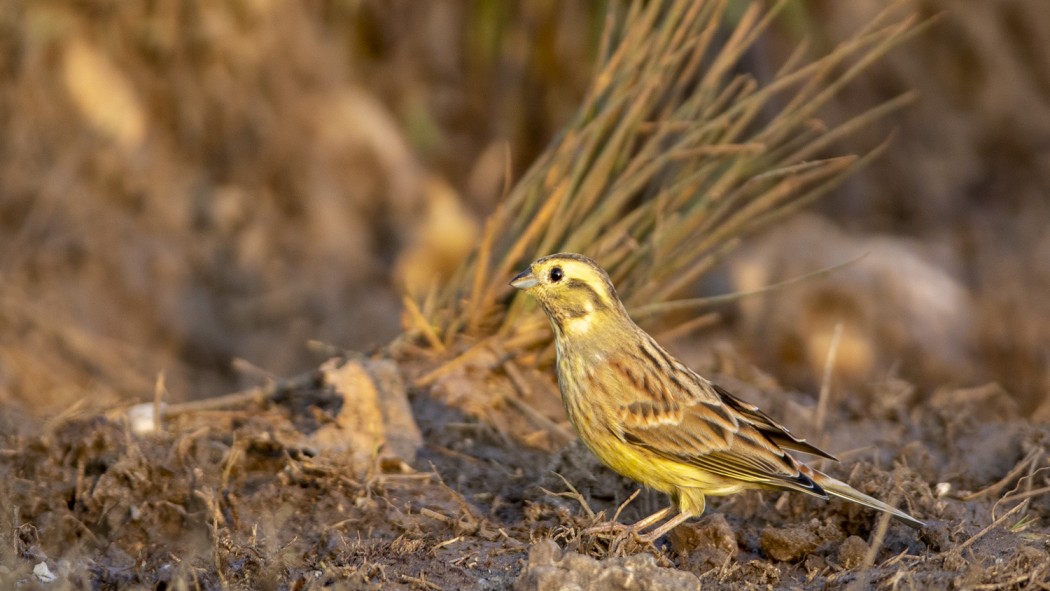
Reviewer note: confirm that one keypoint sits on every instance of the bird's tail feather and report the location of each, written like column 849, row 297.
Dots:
column 842, row 490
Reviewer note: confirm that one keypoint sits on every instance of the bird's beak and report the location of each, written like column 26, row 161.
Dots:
column 524, row 280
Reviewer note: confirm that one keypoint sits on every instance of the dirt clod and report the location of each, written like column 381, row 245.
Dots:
column 788, row 544
column 852, row 552
column 549, row 569
column 374, row 414
column 705, row 545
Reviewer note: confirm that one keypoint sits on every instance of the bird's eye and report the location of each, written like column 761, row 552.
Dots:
column 556, row 274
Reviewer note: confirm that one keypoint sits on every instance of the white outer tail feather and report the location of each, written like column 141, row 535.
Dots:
column 842, row 490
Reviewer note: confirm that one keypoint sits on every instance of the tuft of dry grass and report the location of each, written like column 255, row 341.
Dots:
column 675, row 154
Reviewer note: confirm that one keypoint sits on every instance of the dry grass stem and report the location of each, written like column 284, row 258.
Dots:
column 825, row 382
column 239, row 399
column 879, row 536
column 977, row 536
column 688, row 327
column 693, row 303
column 674, row 155
column 421, row 324
column 1025, row 465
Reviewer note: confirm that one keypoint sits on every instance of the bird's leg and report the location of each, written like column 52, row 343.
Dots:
column 616, row 526
column 617, row 545
column 626, row 532
column 638, row 526
column 614, row 523
column 670, row 524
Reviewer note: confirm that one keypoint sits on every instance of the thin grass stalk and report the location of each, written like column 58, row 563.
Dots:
column 732, row 224
column 669, row 306
column 812, row 195
column 667, row 161
column 851, row 126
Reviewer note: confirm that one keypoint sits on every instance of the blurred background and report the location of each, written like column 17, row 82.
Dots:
column 183, row 184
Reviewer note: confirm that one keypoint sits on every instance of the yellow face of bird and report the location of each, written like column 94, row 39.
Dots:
column 573, row 290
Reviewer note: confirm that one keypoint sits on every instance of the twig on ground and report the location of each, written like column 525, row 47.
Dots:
column 1014, row 472
column 958, row 549
column 572, row 494
column 420, row 580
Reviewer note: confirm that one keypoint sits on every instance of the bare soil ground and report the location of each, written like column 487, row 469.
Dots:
column 277, row 173
column 240, row 499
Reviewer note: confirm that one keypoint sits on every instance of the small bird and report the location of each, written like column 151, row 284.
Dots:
column 652, row 419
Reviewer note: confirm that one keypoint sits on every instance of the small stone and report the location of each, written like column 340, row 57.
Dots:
column 141, row 417
column 43, row 573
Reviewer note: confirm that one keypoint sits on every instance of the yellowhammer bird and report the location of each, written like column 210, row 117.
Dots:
column 654, row 420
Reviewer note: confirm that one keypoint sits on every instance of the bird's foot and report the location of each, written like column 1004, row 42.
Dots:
column 621, row 539
column 609, row 527
column 629, row 541
column 625, row 539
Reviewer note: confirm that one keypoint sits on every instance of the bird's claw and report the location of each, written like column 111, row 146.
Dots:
column 622, row 539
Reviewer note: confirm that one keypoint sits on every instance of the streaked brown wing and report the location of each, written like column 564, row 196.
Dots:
column 773, row 430
column 678, row 415
column 671, row 418
column 745, row 455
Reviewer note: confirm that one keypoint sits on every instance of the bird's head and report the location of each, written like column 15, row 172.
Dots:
column 573, row 290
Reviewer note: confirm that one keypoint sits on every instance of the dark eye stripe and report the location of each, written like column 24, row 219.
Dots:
column 570, row 312
column 582, row 286
column 579, row 284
